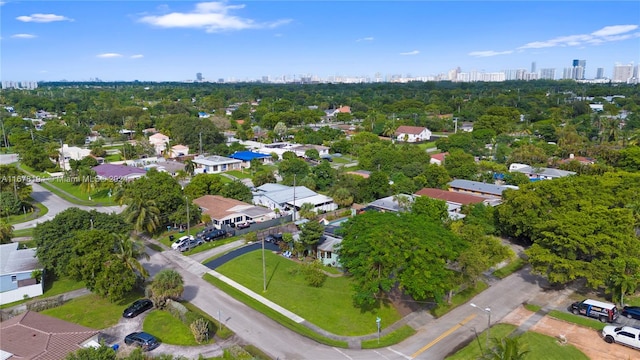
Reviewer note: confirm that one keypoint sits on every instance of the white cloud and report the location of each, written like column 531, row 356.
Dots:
column 109, row 55
column 414, row 52
column 43, row 18
column 210, row 16
column 23, row 36
column 606, row 34
column 368, row 38
column 137, row 56
column 489, row 53
column 614, row 30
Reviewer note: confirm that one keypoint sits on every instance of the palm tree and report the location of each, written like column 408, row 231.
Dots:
column 189, row 167
column 307, row 211
column 6, row 232
column 507, row 348
column 389, row 129
column 87, row 180
column 168, row 284
column 142, row 214
column 129, row 251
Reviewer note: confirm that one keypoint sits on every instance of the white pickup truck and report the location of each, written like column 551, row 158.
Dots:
column 625, row 335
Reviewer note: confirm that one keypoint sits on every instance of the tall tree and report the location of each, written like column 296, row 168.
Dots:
column 129, row 251
column 6, row 232
column 167, row 284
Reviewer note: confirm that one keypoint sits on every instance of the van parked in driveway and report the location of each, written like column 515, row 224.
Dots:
column 605, row 312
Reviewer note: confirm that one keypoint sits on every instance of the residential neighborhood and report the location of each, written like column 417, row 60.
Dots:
column 305, row 229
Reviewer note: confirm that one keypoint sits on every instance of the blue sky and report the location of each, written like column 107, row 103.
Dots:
column 173, row 40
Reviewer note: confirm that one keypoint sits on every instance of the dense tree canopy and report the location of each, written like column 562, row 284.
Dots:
column 385, row 250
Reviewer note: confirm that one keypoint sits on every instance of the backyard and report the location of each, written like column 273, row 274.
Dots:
column 329, row 306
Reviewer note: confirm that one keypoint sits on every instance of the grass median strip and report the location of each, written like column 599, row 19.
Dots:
column 577, row 319
column 282, row 320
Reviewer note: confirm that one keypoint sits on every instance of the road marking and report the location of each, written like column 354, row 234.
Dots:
column 379, row 353
column 345, row 355
column 443, row 335
column 399, row 353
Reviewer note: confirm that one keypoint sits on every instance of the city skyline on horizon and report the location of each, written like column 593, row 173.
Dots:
column 245, row 41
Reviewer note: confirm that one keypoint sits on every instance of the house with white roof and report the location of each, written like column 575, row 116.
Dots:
column 72, row 153
column 412, row 134
column 539, row 173
column 215, row 164
column 160, row 142
column 16, row 267
column 286, row 198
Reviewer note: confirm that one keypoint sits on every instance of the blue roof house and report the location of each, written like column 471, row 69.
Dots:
column 247, row 156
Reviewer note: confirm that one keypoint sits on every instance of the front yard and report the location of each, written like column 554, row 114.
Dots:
column 329, row 307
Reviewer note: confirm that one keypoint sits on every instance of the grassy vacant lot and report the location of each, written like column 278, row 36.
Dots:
column 168, row 329
column 329, row 307
column 539, row 346
column 99, row 195
column 92, row 310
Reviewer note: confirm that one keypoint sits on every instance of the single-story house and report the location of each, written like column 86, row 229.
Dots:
column 169, row 166
column 412, row 134
column 116, row 172
column 300, row 150
column 539, row 173
column 159, row 142
column 230, row 211
column 16, row 267
column 247, row 156
column 454, row 200
column 438, row 158
column 485, row 190
column 391, row 203
column 35, row 336
column 215, row 164
column 327, row 249
column 285, row 198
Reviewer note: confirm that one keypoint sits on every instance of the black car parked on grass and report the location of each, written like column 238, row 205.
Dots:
column 142, row 339
column 632, row 312
column 137, row 308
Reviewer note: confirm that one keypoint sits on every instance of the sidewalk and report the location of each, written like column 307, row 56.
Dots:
column 194, row 267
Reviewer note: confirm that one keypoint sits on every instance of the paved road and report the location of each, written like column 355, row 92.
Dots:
column 56, row 205
column 6, row 159
column 435, row 338
column 243, row 250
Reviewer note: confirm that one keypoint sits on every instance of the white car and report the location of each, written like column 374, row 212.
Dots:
column 181, row 241
column 625, row 335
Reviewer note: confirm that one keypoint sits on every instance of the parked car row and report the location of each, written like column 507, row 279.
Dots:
column 141, row 339
column 607, row 312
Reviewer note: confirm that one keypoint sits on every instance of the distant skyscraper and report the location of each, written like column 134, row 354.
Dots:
column 622, row 73
column 533, row 67
column 600, row 73
column 578, row 69
column 548, row 74
column 199, row 76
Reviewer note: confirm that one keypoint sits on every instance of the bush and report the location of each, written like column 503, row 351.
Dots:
column 200, row 330
column 313, row 274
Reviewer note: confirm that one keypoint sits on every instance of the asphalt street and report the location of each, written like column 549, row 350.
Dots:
column 243, row 250
column 435, row 338
column 56, row 205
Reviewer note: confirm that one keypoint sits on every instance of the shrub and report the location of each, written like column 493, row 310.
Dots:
column 200, row 330
column 313, row 274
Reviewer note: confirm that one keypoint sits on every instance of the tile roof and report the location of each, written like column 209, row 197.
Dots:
column 219, row 207
column 405, row 129
column 32, row 335
column 450, row 196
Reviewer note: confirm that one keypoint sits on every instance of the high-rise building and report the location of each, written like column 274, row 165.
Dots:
column 548, row 74
column 578, row 69
column 199, row 77
column 600, row 73
column 533, row 67
column 622, row 73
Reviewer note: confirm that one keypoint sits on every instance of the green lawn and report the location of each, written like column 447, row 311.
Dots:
column 168, row 329
column 577, row 319
column 329, row 307
column 40, row 210
column 92, row 310
column 112, row 158
column 23, row 232
column 539, row 346
column 56, row 190
column 99, row 195
column 245, row 174
column 389, row 339
column 31, row 171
